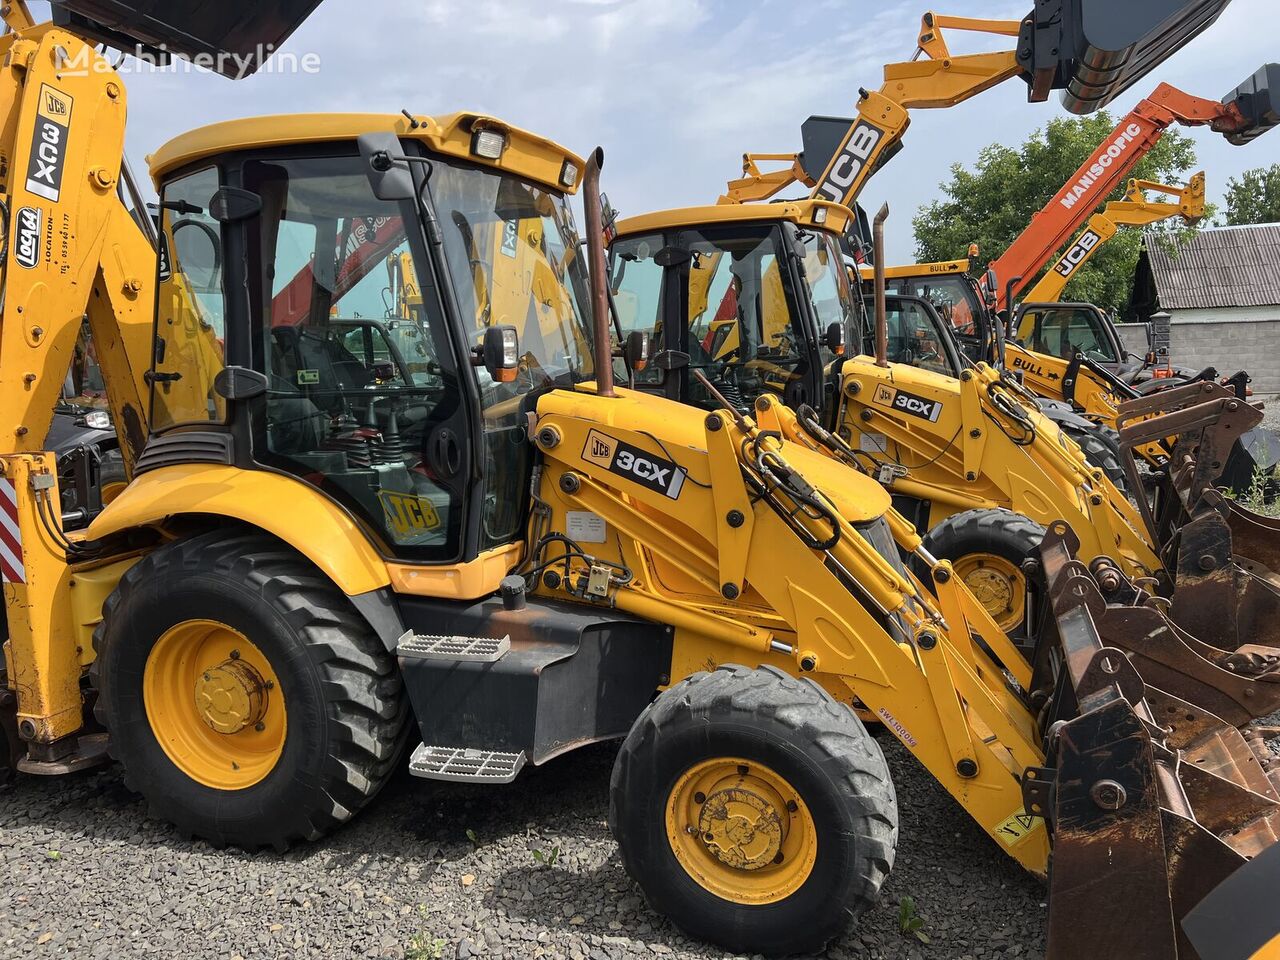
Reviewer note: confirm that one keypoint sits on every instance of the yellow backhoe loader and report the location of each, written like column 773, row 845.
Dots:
column 317, row 542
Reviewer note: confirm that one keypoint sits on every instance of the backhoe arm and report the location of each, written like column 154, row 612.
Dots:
column 1135, row 210
column 74, row 249
column 931, row 79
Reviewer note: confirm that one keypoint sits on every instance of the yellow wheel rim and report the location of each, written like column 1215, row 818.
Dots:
column 741, row 831
column 999, row 585
column 214, row 704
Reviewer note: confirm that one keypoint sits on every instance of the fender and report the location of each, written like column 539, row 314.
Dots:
column 289, row 509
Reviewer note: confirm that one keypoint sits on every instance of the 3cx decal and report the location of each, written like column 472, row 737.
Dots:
column 49, row 144
column 656, row 473
column 26, row 236
column 908, row 403
column 850, row 161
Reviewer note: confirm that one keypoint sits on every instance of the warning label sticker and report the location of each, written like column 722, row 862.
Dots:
column 1017, row 828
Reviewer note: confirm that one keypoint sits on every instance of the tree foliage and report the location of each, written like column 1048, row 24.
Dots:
column 1255, row 197
column 994, row 202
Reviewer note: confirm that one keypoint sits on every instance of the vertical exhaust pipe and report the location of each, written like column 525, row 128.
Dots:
column 599, row 280
column 882, row 319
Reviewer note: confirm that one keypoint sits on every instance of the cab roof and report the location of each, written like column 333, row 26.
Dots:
column 527, row 154
column 820, row 214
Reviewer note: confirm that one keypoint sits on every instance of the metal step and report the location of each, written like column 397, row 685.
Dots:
column 465, row 765
column 421, row 646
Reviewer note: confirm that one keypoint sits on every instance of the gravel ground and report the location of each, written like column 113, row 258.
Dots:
column 438, row 870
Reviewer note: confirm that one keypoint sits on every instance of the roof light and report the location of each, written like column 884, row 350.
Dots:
column 820, row 216
column 568, row 174
column 489, row 144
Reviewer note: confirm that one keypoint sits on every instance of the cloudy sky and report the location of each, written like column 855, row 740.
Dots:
column 675, row 90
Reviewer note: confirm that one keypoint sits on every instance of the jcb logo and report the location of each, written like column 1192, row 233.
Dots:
column 26, row 246
column 54, row 105
column 1078, row 253
column 599, row 448
column 850, row 161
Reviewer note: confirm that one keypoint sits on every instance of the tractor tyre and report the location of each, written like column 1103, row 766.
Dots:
column 987, row 548
column 754, row 810
column 1101, row 447
column 243, row 695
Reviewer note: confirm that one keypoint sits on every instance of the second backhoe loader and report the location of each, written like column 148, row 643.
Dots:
column 319, row 545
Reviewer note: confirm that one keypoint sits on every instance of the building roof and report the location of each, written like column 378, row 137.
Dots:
column 1219, row 267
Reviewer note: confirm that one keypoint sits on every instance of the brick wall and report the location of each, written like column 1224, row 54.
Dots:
column 1229, row 345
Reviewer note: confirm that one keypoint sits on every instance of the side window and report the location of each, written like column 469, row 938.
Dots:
column 913, row 339
column 190, row 306
column 636, row 282
column 347, row 409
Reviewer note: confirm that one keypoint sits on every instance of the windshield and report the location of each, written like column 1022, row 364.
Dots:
column 952, row 296
column 514, row 258
column 1065, row 331
column 829, row 288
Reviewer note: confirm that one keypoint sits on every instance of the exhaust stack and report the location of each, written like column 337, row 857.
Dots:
column 882, row 318
column 594, row 215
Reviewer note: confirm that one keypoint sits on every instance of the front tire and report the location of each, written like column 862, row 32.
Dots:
column 987, row 548
column 754, row 810
column 245, row 698
column 1101, row 448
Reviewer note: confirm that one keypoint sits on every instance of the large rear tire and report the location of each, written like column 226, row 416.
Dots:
column 987, row 548
column 754, row 810
column 245, row 698
column 1101, row 447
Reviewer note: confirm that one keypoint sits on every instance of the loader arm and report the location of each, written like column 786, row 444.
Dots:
column 1135, row 210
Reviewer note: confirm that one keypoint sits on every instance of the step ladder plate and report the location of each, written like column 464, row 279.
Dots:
column 422, row 646
column 465, row 765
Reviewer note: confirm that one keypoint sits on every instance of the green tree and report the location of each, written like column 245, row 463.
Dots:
column 994, row 202
column 1255, row 197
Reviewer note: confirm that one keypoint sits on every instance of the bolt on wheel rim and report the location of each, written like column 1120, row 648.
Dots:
column 741, row 831
column 214, row 704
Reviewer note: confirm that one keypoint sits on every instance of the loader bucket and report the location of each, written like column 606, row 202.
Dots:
column 231, row 37
column 1223, row 558
column 1152, row 801
column 1094, row 50
column 1258, row 100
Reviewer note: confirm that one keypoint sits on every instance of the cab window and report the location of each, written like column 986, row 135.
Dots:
column 636, row 281
column 190, row 307
column 1064, row 332
column 914, row 338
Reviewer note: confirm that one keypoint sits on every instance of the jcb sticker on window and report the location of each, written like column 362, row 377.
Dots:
column 907, row 403
column 408, row 515
column 1017, row 827
column 639, row 466
column 49, row 144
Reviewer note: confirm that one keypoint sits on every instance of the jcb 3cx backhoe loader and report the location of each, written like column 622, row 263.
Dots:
column 317, row 540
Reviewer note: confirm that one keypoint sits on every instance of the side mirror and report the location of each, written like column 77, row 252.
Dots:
column 671, row 360
column 991, row 285
column 499, row 352
column 635, row 351
column 386, row 166
column 834, row 339
column 239, row 383
column 609, row 218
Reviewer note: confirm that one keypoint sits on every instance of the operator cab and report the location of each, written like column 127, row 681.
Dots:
column 379, row 342
column 1064, row 330
column 754, row 297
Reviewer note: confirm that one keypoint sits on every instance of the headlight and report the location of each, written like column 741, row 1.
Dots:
column 489, row 144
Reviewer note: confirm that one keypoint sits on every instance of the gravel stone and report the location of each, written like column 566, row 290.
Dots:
column 393, row 883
